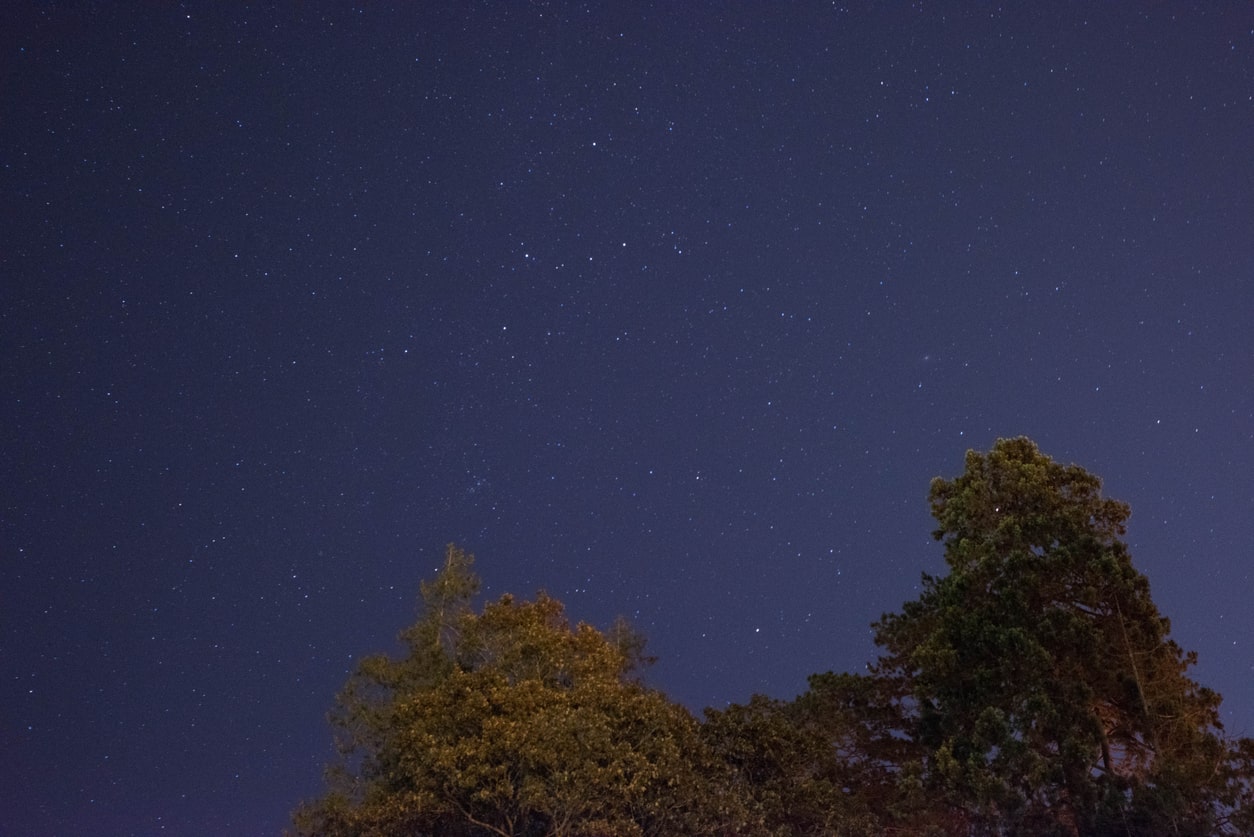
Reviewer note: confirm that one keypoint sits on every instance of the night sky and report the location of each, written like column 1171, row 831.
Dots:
column 672, row 310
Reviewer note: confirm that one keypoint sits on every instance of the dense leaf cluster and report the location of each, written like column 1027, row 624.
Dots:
column 1034, row 689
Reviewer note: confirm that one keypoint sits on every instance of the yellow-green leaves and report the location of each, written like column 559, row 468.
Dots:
column 513, row 720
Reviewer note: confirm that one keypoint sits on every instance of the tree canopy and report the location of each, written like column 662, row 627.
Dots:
column 1034, row 688
column 1038, row 677
column 512, row 721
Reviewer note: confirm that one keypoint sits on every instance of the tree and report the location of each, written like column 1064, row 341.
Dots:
column 824, row 764
column 511, row 722
column 1038, row 677
column 1033, row 689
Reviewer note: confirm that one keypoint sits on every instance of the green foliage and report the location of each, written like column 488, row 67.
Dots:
column 1044, row 691
column 823, row 764
column 512, row 721
column 1034, row 689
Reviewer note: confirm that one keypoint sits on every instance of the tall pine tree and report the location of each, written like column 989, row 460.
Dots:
column 1039, row 677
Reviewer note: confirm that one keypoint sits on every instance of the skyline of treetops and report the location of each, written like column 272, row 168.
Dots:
column 1033, row 688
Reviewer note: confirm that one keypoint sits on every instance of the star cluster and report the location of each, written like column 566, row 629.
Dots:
column 673, row 311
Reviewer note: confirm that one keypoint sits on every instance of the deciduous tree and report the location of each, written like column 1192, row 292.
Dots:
column 826, row 763
column 511, row 722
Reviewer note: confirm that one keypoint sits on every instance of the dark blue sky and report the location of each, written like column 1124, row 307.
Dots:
column 670, row 309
